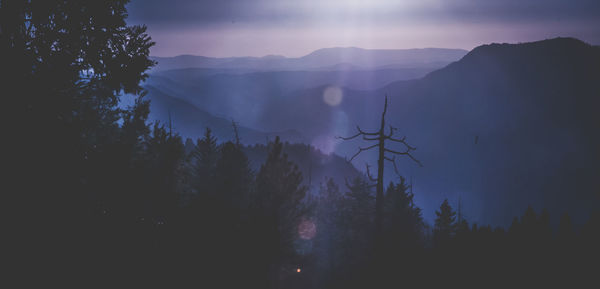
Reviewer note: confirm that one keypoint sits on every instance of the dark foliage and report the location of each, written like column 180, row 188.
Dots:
column 99, row 197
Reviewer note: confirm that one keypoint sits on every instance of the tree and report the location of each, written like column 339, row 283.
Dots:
column 359, row 206
column 445, row 225
column 278, row 209
column 69, row 61
column 166, row 163
column 204, row 159
column 529, row 227
column 328, row 214
column 66, row 64
column 403, row 217
column 566, row 232
column 233, row 176
column 356, row 222
column 380, row 137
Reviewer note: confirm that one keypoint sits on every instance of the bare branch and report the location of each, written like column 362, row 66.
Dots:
column 366, row 133
column 360, row 150
column 393, row 161
column 348, row 138
column 360, row 132
column 392, row 129
column 369, row 173
column 405, row 153
column 402, row 141
column 397, row 152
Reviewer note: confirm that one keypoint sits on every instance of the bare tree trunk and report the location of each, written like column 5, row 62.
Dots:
column 379, row 188
column 380, row 137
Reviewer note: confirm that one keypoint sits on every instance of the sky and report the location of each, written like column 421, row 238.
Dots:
column 293, row 28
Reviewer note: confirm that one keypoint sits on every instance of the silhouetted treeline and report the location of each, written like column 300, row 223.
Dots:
column 97, row 195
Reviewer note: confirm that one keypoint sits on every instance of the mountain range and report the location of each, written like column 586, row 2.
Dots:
column 502, row 127
column 322, row 59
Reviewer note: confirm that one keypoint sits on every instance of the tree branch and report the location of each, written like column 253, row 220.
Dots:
column 360, row 150
column 392, row 129
column 366, row 133
column 369, row 173
column 360, row 132
column 402, row 141
column 405, row 153
column 393, row 161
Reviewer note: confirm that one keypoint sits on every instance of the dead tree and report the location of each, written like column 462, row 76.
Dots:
column 384, row 154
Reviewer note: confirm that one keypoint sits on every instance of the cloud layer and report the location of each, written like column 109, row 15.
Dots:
column 260, row 27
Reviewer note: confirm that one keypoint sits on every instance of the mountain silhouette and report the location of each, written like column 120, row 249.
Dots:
column 191, row 122
column 364, row 58
column 532, row 107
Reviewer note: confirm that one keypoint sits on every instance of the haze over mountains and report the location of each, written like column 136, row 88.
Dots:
column 239, row 88
column 322, row 59
column 504, row 121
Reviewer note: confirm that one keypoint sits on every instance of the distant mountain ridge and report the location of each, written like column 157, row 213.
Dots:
column 319, row 59
column 191, row 121
column 532, row 107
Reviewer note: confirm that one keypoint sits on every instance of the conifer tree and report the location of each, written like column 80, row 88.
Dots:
column 445, row 225
column 566, row 232
column 204, row 158
column 403, row 218
column 279, row 208
column 166, row 162
column 328, row 214
column 233, row 176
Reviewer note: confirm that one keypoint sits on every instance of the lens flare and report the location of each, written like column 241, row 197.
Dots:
column 332, row 95
column 307, row 229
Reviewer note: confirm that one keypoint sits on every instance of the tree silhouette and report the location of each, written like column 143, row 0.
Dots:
column 327, row 241
column 445, row 225
column 403, row 217
column 356, row 222
column 566, row 232
column 279, row 208
column 204, row 161
column 233, row 176
column 67, row 63
column 380, row 137
column 166, row 154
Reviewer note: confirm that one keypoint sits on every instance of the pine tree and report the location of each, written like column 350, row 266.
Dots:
column 204, row 162
column 328, row 216
column 356, row 222
column 566, row 232
column 166, row 162
column 529, row 228
column 403, row 218
column 445, row 225
column 233, row 176
column 278, row 209
column 359, row 203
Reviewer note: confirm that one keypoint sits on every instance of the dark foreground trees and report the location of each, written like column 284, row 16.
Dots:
column 64, row 65
column 96, row 195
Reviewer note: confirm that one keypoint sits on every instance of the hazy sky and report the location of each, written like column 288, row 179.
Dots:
column 297, row 27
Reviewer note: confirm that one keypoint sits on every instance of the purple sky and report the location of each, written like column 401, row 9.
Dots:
column 294, row 28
